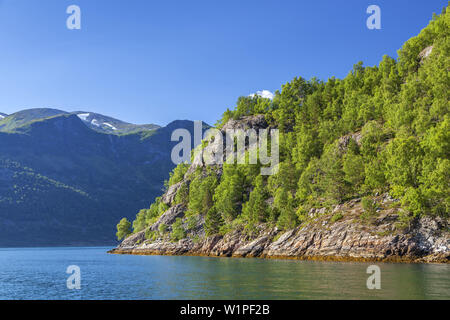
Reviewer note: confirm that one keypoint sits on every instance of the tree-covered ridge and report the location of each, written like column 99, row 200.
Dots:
column 380, row 129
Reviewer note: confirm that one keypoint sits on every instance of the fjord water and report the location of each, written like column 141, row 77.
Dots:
column 40, row 273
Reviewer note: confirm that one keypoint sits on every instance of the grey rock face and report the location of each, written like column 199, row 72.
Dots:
column 255, row 122
column 345, row 140
column 169, row 217
column 425, row 53
column 133, row 240
column 169, row 196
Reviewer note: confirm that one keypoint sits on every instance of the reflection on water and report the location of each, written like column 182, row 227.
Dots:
column 40, row 274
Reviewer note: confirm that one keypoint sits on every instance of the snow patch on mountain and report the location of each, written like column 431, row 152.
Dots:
column 109, row 125
column 83, row 116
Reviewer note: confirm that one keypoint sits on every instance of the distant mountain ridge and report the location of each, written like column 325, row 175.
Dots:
column 64, row 183
column 17, row 119
column 95, row 121
column 110, row 125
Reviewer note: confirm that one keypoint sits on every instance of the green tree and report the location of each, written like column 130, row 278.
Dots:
column 201, row 194
column 162, row 229
column 353, row 167
column 308, row 185
column 140, row 222
column 123, row 229
column 375, row 173
column 213, row 222
column 308, row 146
column 178, row 173
column 178, row 231
column 256, row 209
column 333, row 182
column 182, row 196
column 404, row 163
column 284, row 203
column 229, row 194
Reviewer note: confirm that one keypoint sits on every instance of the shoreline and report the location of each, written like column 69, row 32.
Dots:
column 331, row 258
column 349, row 239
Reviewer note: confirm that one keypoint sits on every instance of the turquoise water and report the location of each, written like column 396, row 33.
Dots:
column 40, row 273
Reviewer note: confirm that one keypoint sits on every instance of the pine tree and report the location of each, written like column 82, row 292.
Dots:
column 229, row 194
column 285, row 204
column 213, row 222
column 256, row 209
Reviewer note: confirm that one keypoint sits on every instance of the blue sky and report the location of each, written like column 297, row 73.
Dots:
column 147, row 61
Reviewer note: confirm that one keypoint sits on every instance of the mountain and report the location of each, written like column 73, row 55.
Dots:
column 63, row 183
column 363, row 171
column 3, row 115
column 95, row 121
column 15, row 120
column 107, row 124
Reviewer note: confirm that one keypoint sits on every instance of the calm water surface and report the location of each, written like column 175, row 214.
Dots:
column 40, row 273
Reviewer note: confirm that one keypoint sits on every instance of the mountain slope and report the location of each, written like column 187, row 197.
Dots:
column 95, row 121
column 20, row 118
column 62, row 183
column 107, row 124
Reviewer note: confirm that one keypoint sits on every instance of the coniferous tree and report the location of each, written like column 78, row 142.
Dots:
column 213, row 222
column 256, row 209
column 229, row 194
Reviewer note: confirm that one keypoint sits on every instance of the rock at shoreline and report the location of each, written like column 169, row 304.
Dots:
column 348, row 239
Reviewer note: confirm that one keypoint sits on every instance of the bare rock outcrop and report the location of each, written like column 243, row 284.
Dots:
column 169, row 196
column 254, row 122
column 219, row 147
column 345, row 140
column 169, row 217
column 425, row 53
column 132, row 241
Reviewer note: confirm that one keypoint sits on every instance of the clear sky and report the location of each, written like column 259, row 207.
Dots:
column 146, row 61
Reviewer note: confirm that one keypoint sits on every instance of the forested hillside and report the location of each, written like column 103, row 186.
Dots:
column 381, row 129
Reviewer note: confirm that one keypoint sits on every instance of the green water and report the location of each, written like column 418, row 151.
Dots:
column 40, row 273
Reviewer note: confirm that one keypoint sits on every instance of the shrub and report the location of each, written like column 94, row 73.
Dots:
column 192, row 222
column 178, row 232
column 162, row 229
column 150, row 235
column 336, row 217
column 370, row 208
